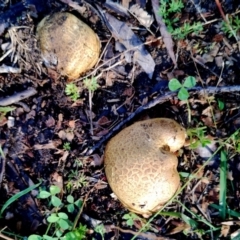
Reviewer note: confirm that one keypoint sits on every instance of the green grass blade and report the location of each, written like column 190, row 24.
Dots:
column 17, row 196
column 223, row 185
column 189, row 221
column 171, row 214
column 233, row 213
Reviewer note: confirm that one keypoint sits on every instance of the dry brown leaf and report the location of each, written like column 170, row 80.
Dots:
column 50, row 122
column 57, row 180
column 142, row 16
column 49, row 145
column 180, row 226
column 75, row 5
column 110, row 77
column 225, row 230
column 69, row 135
column 62, row 134
column 123, row 33
column 117, row 8
column 97, row 160
column 103, row 121
column 71, row 124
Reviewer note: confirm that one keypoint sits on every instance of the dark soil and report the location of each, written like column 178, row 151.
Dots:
column 35, row 146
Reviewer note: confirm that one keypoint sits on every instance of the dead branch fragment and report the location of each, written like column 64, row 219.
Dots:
column 18, row 97
column 159, row 100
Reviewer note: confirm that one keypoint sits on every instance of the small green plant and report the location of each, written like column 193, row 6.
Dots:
column 168, row 10
column 183, row 94
column 232, row 27
column 59, row 225
column 182, row 88
column 72, row 91
column 101, row 230
column 187, row 28
column 130, row 218
column 235, row 142
column 221, row 104
column 76, row 179
column 67, row 146
column 168, row 7
column 92, row 85
column 5, row 110
column 73, row 204
column 78, row 163
column 198, row 137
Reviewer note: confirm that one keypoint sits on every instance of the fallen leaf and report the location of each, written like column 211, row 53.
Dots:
column 225, row 230
column 57, row 180
column 103, row 121
column 123, row 33
column 167, row 38
column 68, row 134
column 142, row 16
column 50, row 122
column 96, row 160
column 49, row 145
column 180, row 226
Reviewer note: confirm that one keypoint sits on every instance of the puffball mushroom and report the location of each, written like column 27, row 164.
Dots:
column 140, row 164
column 67, row 44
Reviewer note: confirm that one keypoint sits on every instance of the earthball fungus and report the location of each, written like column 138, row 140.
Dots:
column 67, row 44
column 141, row 166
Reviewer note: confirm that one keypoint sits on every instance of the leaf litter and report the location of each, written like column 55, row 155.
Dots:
column 131, row 78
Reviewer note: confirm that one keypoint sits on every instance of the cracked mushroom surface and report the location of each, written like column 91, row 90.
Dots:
column 67, row 44
column 140, row 164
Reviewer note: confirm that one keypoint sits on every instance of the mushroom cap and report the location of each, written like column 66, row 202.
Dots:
column 67, row 44
column 140, row 165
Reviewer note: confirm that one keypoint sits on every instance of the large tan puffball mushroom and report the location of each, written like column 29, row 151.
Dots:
column 67, row 44
column 140, row 164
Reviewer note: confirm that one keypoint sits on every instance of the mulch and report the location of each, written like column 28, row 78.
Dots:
column 46, row 119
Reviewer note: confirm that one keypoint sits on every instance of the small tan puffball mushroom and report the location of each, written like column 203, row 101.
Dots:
column 140, row 164
column 67, row 44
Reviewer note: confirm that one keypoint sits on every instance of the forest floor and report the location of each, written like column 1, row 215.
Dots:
column 52, row 179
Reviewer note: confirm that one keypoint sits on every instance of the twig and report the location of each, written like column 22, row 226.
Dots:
column 3, row 158
column 225, row 19
column 81, row 209
column 221, row 10
column 18, row 97
column 144, row 235
column 90, row 110
column 5, row 237
column 159, row 100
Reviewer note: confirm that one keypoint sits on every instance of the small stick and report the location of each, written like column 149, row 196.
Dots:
column 18, row 97
column 144, row 235
column 3, row 159
column 159, row 100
